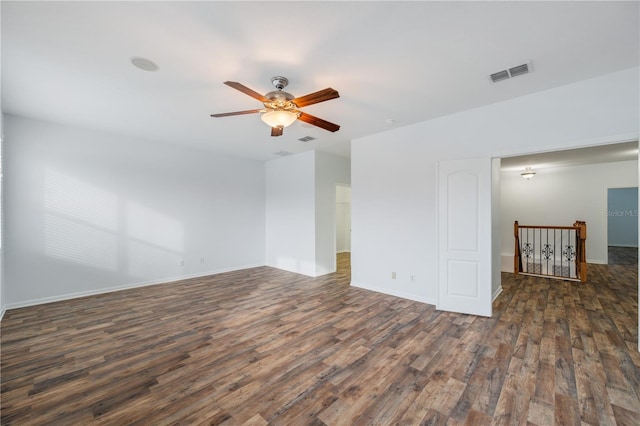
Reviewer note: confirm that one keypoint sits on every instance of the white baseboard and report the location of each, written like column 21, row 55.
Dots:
column 316, row 274
column 496, row 293
column 293, row 270
column 394, row 293
column 322, row 272
column 2, row 311
column 68, row 296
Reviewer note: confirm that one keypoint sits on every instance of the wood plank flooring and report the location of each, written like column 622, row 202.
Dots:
column 623, row 255
column 264, row 346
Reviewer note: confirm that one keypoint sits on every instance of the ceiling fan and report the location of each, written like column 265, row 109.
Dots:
column 281, row 108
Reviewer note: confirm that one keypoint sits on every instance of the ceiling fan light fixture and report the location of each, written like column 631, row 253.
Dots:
column 528, row 173
column 281, row 108
column 279, row 118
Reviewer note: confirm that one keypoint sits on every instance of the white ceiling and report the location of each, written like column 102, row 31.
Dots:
column 68, row 62
column 626, row 151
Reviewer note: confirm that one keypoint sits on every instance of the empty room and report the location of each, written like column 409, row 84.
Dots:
column 319, row 213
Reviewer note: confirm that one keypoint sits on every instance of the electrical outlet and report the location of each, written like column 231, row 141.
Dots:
column 393, row 275
column 413, row 277
column 181, row 262
column 202, row 260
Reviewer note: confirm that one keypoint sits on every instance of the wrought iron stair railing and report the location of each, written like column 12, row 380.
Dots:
column 551, row 251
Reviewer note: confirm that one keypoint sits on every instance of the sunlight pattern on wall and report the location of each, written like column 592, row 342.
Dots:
column 155, row 242
column 91, row 226
column 80, row 220
column 154, row 228
column 76, row 199
column 79, row 242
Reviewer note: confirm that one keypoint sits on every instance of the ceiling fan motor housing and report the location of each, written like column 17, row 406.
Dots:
column 279, row 95
column 279, row 98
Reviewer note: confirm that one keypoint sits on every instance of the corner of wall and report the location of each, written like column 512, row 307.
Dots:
column 2, row 303
column 329, row 170
column 496, row 235
column 506, row 263
column 497, row 292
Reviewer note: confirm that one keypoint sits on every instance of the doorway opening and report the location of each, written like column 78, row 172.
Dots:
column 622, row 226
column 568, row 185
column 343, row 229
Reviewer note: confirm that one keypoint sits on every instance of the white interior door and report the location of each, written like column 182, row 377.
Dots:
column 464, row 236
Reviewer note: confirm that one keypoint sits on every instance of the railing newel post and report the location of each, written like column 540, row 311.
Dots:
column 516, row 257
column 581, row 229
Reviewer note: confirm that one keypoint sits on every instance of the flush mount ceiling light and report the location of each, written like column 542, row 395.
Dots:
column 528, row 173
column 144, row 63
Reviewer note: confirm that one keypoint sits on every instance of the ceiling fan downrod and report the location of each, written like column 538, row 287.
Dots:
column 279, row 82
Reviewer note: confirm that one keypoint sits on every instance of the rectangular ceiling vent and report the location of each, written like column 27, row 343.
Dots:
column 282, row 153
column 511, row 72
column 499, row 76
column 307, row 139
column 519, row 70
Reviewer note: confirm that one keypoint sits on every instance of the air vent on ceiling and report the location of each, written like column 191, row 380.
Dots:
column 307, row 139
column 501, row 75
column 511, row 72
column 282, row 153
column 519, row 70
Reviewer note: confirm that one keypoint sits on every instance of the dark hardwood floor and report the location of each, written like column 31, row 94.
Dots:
column 264, row 346
column 623, row 255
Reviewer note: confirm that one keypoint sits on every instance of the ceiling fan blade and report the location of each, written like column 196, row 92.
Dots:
column 276, row 131
column 244, row 89
column 308, row 118
column 227, row 114
column 316, row 97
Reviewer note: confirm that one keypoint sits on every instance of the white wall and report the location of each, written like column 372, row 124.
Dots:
column 300, row 211
column 394, row 173
column 89, row 212
column 560, row 196
column 2, row 299
column 496, row 236
column 330, row 170
column 290, row 213
column 393, row 216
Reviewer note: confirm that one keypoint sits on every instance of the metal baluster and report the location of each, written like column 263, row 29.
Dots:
column 561, row 234
column 554, row 251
